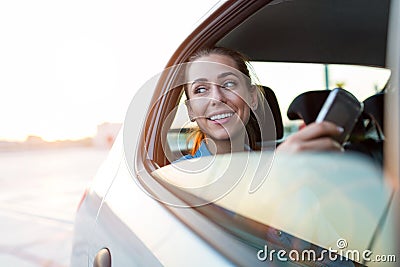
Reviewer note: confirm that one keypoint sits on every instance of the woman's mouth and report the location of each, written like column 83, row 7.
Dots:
column 221, row 118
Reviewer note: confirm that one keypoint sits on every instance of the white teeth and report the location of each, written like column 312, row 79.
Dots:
column 221, row 116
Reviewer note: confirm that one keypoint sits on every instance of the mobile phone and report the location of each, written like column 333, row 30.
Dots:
column 343, row 109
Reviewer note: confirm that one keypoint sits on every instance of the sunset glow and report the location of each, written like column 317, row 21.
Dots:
column 66, row 67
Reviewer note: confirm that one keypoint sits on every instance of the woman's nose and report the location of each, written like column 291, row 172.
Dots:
column 217, row 94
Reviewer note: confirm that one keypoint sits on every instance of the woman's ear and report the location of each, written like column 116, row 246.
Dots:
column 190, row 111
column 253, row 97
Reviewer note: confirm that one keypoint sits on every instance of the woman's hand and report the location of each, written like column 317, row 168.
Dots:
column 313, row 137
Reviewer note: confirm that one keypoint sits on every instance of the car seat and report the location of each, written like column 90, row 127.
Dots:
column 270, row 115
column 307, row 105
column 373, row 108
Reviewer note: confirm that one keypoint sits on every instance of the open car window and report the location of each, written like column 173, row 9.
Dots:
column 287, row 81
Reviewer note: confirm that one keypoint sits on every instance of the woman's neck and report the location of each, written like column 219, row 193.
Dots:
column 226, row 146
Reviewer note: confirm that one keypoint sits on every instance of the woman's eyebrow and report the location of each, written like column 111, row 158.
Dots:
column 199, row 80
column 224, row 74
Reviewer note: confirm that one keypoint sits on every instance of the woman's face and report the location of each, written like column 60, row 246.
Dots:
column 219, row 97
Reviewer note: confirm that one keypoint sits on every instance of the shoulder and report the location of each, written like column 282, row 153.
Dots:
column 201, row 152
column 185, row 157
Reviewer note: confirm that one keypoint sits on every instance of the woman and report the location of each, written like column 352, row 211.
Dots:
column 222, row 100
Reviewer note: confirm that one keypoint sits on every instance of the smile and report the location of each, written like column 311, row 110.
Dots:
column 221, row 116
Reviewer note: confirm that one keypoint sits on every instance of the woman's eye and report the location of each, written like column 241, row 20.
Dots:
column 200, row 90
column 229, row 84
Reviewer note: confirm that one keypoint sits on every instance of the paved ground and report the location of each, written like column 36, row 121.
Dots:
column 39, row 194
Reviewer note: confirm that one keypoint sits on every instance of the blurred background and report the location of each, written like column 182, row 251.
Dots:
column 68, row 71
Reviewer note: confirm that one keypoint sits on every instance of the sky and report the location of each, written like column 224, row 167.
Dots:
column 68, row 66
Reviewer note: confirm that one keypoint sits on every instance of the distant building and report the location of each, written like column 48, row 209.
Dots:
column 106, row 134
column 34, row 142
column 33, row 139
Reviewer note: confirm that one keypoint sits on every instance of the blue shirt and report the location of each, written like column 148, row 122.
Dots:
column 201, row 152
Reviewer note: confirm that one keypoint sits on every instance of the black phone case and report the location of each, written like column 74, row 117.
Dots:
column 343, row 109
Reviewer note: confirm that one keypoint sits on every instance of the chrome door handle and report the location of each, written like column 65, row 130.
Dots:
column 103, row 258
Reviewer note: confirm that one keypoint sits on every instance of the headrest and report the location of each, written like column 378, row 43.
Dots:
column 373, row 107
column 276, row 117
column 307, row 105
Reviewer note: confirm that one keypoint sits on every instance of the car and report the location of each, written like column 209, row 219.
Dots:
column 145, row 207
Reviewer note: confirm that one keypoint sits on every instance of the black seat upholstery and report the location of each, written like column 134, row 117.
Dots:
column 271, row 115
column 374, row 113
column 307, row 105
column 373, row 108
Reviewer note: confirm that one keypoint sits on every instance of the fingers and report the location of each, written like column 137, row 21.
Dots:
column 314, row 137
column 319, row 144
column 317, row 130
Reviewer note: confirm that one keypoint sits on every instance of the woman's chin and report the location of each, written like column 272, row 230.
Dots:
column 219, row 136
column 223, row 135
